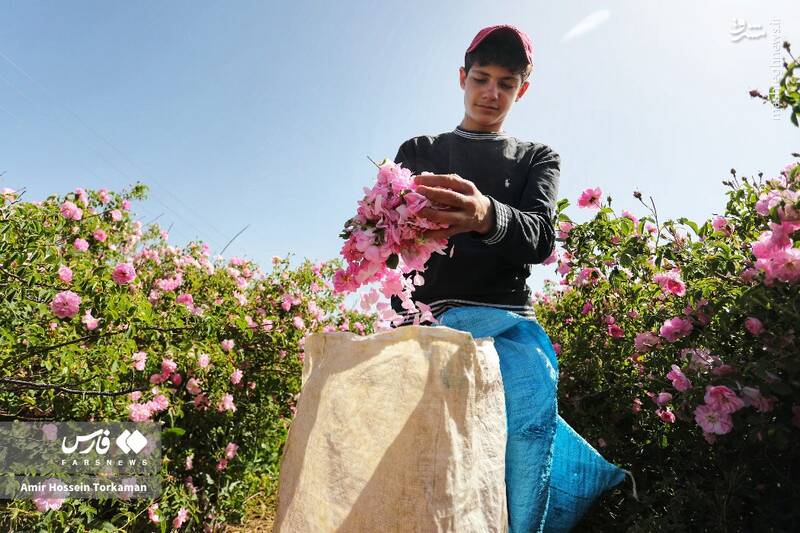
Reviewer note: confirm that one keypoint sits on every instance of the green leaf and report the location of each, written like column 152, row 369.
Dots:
column 175, row 430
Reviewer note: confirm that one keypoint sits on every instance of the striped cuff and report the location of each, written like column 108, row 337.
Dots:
column 502, row 216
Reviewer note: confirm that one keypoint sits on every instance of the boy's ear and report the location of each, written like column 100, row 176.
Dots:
column 522, row 90
column 462, row 76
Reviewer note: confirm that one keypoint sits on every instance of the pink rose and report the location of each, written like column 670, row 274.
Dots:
column 180, row 518
column 615, row 331
column 139, row 412
column 675, row 328
column 89, row 321
column 202, row 360
column 588, row 275
column 49, row 499
column 630, row 216
column 226, row 403
column 201, row 401
column 721, row 224
column 722, row 399
column 636, row 406
column 70, row 211
column 65, row 273
column 752, row 397
column 99, row 235
column 663, row 398
column 168, row 366
column 666, row 416
column 679, row 380
column 139, row 360
column 158, row 403
column 590, row 198
column 670, row 282
column 81, row 244
column 123, row 273
column 754, row 325
column 193, row 386
column 564, row 228
column 645, row 341
column 189, row 484
column 236, row 376
column 82, row 197
column 152, row 513
column 551, row 258
column 227, row 345
column 65, row 304
column 712, row 421
column 230, row 450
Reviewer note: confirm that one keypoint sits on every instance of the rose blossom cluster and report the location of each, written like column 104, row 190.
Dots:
column 714, row 416
column 142, row 412
column 670, row 282
column 719, row 401
column 386, row 240
column 774, row 250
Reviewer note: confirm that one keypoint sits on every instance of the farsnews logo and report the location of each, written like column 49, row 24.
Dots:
column 99, row 441
column 134, row 442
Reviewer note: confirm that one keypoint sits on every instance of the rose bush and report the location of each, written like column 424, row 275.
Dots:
column 679, row 354
column 101, row 319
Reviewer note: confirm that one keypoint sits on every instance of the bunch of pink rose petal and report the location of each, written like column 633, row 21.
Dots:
column 386, row 240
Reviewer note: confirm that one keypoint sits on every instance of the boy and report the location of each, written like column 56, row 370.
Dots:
column 500, row 192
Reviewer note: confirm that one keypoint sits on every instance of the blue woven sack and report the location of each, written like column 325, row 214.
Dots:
column 552, row 474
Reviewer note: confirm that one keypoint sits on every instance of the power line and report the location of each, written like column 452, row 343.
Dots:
column 86, row 169
column 115, row 148
column 233, row 238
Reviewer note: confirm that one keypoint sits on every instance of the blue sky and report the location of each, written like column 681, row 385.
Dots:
column 262, row 114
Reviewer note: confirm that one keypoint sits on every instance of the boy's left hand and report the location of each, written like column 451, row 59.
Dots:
column 469, row 209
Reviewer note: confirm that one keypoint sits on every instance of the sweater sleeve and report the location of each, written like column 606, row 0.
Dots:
column 526, row 234
column 405, row 155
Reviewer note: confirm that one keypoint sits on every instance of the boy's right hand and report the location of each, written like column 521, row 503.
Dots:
column 470, row 210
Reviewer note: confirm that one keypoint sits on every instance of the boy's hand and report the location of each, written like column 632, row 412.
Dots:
column 469, row 210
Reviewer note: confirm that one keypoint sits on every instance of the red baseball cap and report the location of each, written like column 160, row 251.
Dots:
column 524, row 40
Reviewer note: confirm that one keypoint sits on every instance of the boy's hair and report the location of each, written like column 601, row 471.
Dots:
column 501, row 47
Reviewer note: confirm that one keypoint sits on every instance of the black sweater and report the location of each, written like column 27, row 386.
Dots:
column 521, row 180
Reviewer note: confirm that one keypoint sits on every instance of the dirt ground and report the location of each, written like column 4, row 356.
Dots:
column 259, row 515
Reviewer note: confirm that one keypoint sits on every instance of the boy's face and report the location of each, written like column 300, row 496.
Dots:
column 489, row 93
